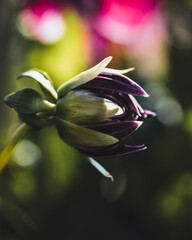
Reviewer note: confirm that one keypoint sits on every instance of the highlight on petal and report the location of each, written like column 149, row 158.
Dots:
column 118, row 71
column 43, row 79
column 100, row 168
column 76, row 135
column 83, row 77
column 28, row 101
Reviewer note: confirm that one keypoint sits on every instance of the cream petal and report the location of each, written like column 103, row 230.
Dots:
column 100, row 168
column 123, row 71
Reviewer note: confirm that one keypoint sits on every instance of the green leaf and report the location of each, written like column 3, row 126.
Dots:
column 28, row 101
column 43, row 79
column 83, row 77
column 76, row 135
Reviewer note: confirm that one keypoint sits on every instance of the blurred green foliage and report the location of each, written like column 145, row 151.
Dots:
column 48, row 191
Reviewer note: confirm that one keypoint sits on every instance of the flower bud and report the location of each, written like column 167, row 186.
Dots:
column 94, row 112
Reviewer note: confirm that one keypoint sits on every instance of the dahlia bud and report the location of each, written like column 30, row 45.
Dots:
column 94, row 112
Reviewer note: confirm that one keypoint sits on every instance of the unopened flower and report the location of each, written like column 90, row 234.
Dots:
column 94, row 112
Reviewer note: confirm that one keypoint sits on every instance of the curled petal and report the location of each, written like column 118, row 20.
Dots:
column 134, row 105
column 139, row 91
column 130, row 106
column 114, row 83
column 116, row 152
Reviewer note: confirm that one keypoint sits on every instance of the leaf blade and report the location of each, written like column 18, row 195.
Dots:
column 43, row 79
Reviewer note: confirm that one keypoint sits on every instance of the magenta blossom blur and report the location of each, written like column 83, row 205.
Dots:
column 137, row 24
column 42, row 21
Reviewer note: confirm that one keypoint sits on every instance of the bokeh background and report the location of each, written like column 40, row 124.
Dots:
column 47, row 190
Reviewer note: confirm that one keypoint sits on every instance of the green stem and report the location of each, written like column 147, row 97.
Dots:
column 9, row 147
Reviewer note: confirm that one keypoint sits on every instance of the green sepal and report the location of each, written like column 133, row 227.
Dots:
column 76, row 135
column 83, row 77
column 43, row 80
column 28, row 101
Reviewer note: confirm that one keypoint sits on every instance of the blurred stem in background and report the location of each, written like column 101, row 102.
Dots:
column 9, row 147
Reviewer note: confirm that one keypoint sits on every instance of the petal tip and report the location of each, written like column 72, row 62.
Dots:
column 145, row 94
column 144, row 147
column 139, row 123
column 108, row 59
column 100, row 168
column 148, row 113
column 124, row 71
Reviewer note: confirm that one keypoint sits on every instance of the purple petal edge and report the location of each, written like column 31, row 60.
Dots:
column 124, row 79
column 117, row 152
column 114, row 83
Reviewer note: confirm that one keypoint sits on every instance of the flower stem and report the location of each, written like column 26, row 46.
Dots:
column 9, row 147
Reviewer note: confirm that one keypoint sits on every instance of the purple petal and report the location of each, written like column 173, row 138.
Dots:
column 114, row 83
column 129, row 105
column 129, row 83
column 136, row 105
column 133, row 104
column 118, row 130
column 120, row 151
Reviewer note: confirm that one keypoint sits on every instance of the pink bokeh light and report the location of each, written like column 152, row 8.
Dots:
column 42, row 21
column 137, row 24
